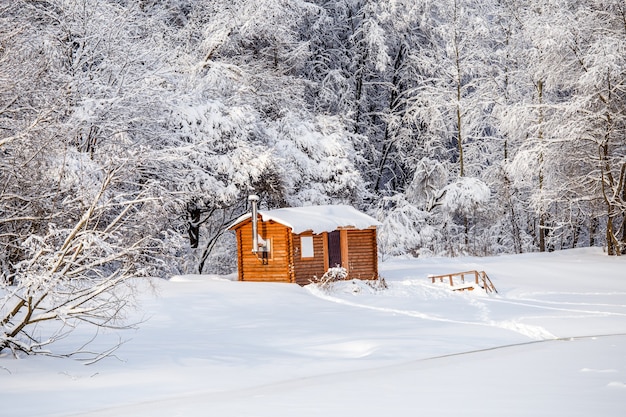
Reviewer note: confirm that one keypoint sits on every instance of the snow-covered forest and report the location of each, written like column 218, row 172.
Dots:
column 132, row 131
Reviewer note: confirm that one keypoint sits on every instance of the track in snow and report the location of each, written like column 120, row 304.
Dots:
column 482, row 305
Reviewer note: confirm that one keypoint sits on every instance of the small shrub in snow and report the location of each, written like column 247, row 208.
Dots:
column 378, row 284
column 368, row 286
column 328, row 281
column 331, row 276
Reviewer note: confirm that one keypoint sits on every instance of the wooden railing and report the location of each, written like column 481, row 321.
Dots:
column 480, row 278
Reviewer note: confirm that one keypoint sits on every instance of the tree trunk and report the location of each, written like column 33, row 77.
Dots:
column 193, row 226
column 457, row 58
column 622, row 186
column 542, row 217
column 515, row 230
column 388, row 142
column 593, row 227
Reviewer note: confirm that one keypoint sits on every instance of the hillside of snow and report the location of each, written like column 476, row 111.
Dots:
column 551, row 342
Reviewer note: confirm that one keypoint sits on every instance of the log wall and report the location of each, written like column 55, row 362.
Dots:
column 276, row 268
column 362, row 259
column 307, row 268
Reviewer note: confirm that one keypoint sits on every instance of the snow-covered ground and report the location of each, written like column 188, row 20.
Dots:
column 552, row 342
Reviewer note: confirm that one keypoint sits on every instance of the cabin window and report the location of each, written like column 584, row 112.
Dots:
column 265, row 249
column 306, row 243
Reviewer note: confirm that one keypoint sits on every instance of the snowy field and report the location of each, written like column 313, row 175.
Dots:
column 551, row 343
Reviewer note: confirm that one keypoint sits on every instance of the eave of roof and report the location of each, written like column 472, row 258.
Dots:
column 317, row 219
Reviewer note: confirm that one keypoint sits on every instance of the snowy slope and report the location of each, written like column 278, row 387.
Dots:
column 552, row 342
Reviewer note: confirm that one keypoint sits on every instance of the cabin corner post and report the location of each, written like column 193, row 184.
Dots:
column 325, row 250
column 375, row 254
column 239, row 254
column 291, row 270
column 345, row 255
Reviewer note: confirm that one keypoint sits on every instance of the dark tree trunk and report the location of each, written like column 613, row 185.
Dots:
column 193, row 226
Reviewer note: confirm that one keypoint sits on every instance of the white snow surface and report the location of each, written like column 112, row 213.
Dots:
column 317, row 219
column 552, row 342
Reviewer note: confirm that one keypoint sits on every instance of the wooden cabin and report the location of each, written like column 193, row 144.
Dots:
column 296, row 244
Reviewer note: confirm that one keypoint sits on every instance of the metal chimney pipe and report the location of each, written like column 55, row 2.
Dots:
column 253, row 199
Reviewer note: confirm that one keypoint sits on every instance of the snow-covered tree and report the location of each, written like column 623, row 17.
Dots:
column 76, row 274
column 593, row 125
column 479, row 127
column 564, row 127
column 80, row 212
column 241, row 124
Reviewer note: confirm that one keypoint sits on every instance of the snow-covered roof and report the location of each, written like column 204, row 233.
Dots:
column 317, row 219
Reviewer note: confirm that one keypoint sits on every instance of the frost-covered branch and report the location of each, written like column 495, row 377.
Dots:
column 76, row 274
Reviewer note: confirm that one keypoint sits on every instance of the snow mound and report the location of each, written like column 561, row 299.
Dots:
column 201, row 278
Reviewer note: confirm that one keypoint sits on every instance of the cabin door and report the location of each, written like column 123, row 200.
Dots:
column 334, row 249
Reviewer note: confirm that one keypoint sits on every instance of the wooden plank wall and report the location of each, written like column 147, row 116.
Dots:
column 277, row 268
column 307, row 268
column 359, row 255
column 362, row 262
